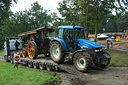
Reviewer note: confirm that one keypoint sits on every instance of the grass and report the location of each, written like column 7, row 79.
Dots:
column 118, row 58
column 1, row 53
column 124, row 41
column 22, row 75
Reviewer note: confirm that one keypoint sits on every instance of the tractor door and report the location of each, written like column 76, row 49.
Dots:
column 68, row 36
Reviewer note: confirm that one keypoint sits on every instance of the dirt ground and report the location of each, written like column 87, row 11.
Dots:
column 96, row 76
column 110, row 76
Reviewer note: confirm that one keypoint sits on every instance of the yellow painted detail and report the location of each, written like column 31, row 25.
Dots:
column 85, row 46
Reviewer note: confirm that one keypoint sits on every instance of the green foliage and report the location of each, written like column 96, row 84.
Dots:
column 24, row 21
column 1, row 53
column 118, row 24
column 22, row 75
column 5, row 9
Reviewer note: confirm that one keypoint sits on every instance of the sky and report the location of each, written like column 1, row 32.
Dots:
column 26, row 4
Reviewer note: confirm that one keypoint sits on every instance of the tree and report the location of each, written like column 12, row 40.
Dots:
column 111, row 26
column 91, row 13
column 5, row 9
column 122, row 23
column 39, row 16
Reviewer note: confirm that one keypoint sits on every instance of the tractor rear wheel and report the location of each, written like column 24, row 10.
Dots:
column 103, row 60
column 24, row 53
column 57, row 52
column 32, row 50
column 82, row 61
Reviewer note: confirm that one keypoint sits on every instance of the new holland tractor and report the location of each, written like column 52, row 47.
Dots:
column 71, row 43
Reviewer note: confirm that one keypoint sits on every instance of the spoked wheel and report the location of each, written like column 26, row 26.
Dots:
column 24, row 53
column 35, row 65
column 82, row 61
column 57, row 53
column 102, row 60
column 32, row 50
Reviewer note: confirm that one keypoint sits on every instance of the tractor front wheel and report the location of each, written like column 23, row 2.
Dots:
column 32, row 50
column 102, row 60
column 57, row 52
column 82, row 61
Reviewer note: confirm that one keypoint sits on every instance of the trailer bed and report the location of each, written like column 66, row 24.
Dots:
column 50, row 65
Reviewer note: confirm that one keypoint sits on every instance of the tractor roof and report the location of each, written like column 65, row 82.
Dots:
column 70, row 27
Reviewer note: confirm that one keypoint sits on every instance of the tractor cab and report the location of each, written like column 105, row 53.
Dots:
column 70, row 34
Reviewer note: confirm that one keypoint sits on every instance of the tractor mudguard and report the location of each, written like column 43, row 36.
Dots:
column 80, row 50
column 62, row 42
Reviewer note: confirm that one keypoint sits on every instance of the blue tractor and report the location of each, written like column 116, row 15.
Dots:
column 71, row 42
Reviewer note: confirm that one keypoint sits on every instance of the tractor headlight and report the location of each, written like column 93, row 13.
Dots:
column 98, row 50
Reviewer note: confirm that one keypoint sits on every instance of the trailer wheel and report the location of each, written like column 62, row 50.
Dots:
column 32, row 50
column 30, row 65
column 103, row 60
column 57, row 52
column 6, row 58
column 24, row 53
column 35, row 65
column 42, row 66
column 48, row 67
column 82, row 61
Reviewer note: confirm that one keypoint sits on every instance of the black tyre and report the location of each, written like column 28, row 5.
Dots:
column 82, row 61
column 48, row 67
column 42, row 66
column 103, row 60
column 32, row 50
column 30, row 64
column 24, row 53
column 57, row 52
column 35, row 65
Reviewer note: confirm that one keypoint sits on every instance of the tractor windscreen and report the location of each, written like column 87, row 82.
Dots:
column 79, row 34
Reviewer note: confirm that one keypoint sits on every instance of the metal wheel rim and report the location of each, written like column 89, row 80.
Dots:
column 23, row 52
column 30, row 50
column 41, row 66
column 29, row 64
column 34, row 65
column 56, row 52
column 81, row 62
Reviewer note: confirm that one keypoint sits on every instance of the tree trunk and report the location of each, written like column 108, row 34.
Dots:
column 95, row 33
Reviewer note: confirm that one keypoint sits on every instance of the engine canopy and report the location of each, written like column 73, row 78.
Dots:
column 88, row 44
